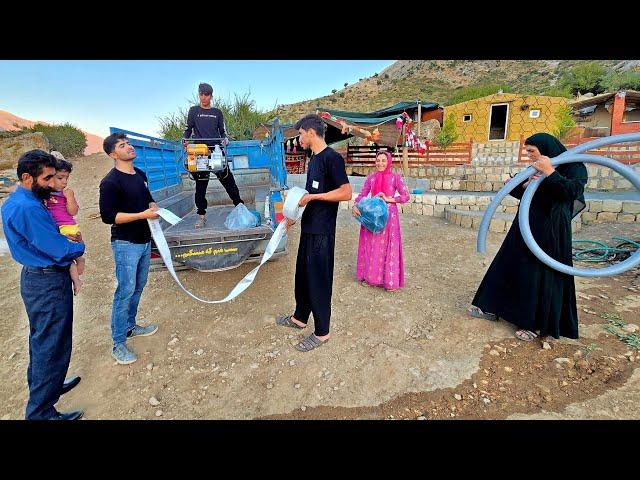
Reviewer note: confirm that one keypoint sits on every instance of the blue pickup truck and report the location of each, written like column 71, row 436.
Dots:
column 259, row 169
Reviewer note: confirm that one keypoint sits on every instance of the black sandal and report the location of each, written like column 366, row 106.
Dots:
column 309, row 343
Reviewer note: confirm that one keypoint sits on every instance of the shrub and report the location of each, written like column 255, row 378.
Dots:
column 448, row 133
column 564, row 122
column 621, row 81
column 241, row 118
column 65, row 138
column 471, row 93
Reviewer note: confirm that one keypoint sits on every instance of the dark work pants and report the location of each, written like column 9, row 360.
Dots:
column 48, row 300
column 227, row 181
column 314, row 280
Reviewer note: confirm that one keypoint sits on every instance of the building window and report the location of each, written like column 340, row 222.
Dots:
column 466, row 117
column 534, row 113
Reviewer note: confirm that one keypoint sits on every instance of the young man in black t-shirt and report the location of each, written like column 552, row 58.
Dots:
column 327, row 184
column 205, row 121
column 126, row 203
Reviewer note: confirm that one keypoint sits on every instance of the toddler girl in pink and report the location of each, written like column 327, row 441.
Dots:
column 63, row 206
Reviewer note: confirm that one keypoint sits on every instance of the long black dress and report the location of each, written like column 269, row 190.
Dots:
column 517, row 286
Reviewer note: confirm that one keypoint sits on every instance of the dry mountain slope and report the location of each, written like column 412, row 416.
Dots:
column 435, row 80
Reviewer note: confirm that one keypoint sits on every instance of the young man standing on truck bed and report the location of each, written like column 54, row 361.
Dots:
column 206, row 121
column 126, row 203
column 327, row 184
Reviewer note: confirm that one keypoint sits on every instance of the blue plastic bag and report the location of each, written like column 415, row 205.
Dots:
column 241, row 218
column 373, row 214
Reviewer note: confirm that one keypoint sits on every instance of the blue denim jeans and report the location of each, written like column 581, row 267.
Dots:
column 48, row 299
column 132, row 269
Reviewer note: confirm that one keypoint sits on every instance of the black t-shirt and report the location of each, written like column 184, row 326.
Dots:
column 205, row 123
column 125, row 193
column 326, row 172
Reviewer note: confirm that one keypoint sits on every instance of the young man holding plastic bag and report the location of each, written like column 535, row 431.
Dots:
column 328, row 185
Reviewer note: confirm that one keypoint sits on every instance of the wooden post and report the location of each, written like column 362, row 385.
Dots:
column 419, row 116
column 405, row 160
column 520, row 148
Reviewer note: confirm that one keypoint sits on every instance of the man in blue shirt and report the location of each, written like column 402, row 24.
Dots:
column 45, row 284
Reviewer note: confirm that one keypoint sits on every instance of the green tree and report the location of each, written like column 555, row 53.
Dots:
column 448, row 134
column 345, row 84
column 583, row 78
column 334, row 90
column 621, row 81
column 564, row 122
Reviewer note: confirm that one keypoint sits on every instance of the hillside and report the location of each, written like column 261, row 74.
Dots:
column 8, row 121
column 436, row 80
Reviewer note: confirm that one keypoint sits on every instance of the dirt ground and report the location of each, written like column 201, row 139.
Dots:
column 409, row 354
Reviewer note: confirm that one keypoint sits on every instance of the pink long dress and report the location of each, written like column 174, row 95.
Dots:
column 380, row 259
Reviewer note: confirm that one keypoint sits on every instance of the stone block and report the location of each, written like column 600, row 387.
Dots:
column 607, row 217
column 429, row 199
column 614, row 206
column 497, row 225
column 595, row 206
column 631, row 207
column 607, row 184
column 626, row 218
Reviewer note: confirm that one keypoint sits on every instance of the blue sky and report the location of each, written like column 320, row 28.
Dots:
column 131, row 94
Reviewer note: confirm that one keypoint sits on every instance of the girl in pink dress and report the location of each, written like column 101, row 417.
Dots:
column 380, row 261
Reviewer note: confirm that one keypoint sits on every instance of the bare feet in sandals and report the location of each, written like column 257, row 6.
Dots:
column 201, row 221
column 526, row 335
column 477, row 313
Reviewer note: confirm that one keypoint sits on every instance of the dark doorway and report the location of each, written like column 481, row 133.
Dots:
column 498, row 125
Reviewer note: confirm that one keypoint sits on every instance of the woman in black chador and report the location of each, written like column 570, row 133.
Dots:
column 517, row 286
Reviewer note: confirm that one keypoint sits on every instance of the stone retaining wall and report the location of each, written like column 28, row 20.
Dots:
column 491, row 178
column 437, row 205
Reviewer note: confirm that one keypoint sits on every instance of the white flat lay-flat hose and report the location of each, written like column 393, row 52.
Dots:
column 290, row 210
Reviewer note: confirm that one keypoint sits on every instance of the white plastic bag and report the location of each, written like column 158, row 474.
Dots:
column 240, row 218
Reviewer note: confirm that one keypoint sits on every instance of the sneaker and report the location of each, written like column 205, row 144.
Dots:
column 139, row 331
column 123, row 355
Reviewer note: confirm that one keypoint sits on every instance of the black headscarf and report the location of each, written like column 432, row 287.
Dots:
column 551, row 147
